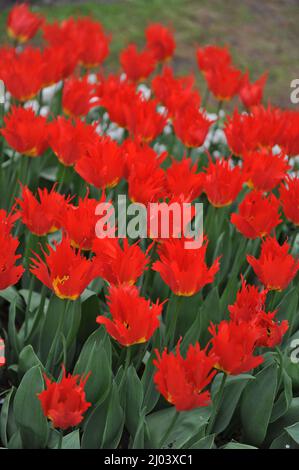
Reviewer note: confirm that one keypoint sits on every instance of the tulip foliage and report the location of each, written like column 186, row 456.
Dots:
column 117, row 342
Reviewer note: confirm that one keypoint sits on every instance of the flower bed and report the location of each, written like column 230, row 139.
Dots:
column 149, row 249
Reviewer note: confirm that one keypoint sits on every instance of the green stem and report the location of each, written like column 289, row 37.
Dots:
column 169, row 429
column 216, row 405
column 205, row 98
column 31, row 287
column 52, row 352
column 172, row 318
column 38, row 314
column 61, row 179
column 280, row 370
column 216, row 125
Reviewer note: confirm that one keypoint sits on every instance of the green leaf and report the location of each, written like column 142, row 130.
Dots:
column 28, row 411
column 288, row 310
column 206, row 442
column 284, row 400
column 134, row 399
column 104, row 426
column 141, row 433
column 72, row 322
column 293, row 431
column 11, row 294
column 55, row 310
column 288, row 419
column 188, row 426
column 71, row 440
column 209, row 312
column 257, row 403
column 15, row 442
column 95, row 358
column 284, row 441
column 233, row 389
column 90, row 310
column 5, row 415
column 27, row 360
column 237, row 445
column 151, row 394
column 13, row 338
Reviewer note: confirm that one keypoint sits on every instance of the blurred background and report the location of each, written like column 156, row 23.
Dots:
column 262, row 34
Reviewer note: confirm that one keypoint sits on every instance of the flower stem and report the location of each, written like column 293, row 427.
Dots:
column 172, row 318
column 52, row 352
column 216, row 405
column 31, row 287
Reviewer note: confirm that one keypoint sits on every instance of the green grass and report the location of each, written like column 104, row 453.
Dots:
column 261, row 35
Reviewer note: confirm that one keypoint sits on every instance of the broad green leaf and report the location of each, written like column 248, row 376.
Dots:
column 283, row 402
column 95, row 357
column 134, row 399
column 257, row 403
column 104, row 426
column 71, row 440
column 237, row 445
column 284, row 441
column 293, row 431
column 187, row 426
column 5, row 415
column 28, row 412
column 27, row 360
column 233, row 389
column 151, row 395
column 206, row 442
column 56, row 312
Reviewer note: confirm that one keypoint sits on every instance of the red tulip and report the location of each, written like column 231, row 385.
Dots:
column 234, row 345
column 289, row 198
column 68, row 139
column 22, row 24
column 23, row 73
column 251, row 94
column 250, row 308
column 160, row 41
column 26, row 132
column 64, row 402
column 77, row 97
column 79, row 222
column 10, row 273
column 184, row 270
column 181, row 381
column 42, row 216
column 137, row 65
column 191, row 126
column 101, row 164
column 134, row 319
column 275, row 267
column 224, row 81
column 264, row 170
column 143, row 120
column 175, row 93
column 119, row 264
column 211, row 56
column 222, row 182
column 183, row 181
column 258, row 215
column 64, row 270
